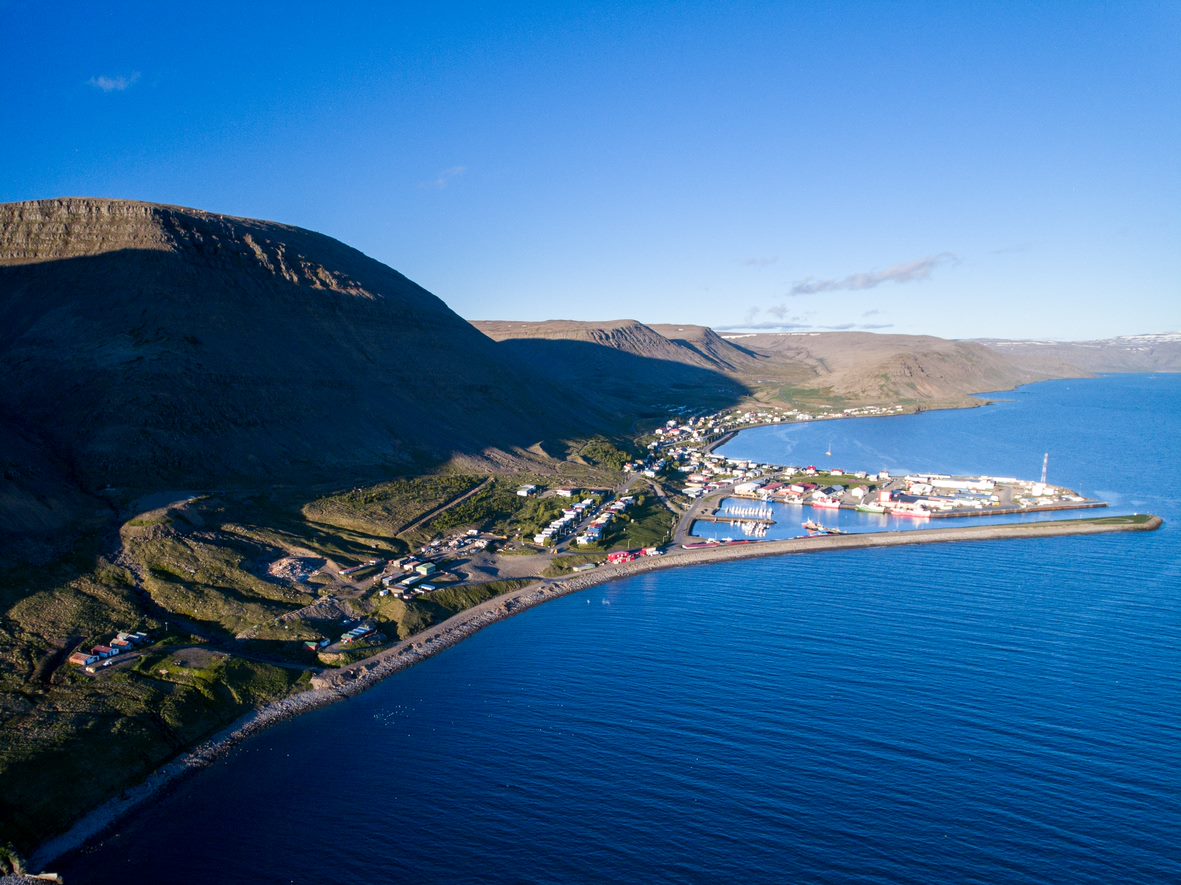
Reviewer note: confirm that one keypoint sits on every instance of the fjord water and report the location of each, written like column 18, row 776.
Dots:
column 1005, row 711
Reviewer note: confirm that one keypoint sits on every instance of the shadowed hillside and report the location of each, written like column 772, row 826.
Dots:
column 624, row 366
column 851, row 368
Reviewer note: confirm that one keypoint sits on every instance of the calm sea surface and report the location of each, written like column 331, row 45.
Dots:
column 993, row 712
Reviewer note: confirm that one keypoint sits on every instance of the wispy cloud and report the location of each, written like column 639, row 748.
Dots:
column 759, row 261
column 444, row 178
column 910, row 272
column 781, row 311
column 114, row 82
column 804, row 327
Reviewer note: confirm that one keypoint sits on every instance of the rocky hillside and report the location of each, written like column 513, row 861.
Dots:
column 147, row 346
column 870, row 367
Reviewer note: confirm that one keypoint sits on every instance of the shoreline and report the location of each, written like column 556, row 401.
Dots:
column 909, row 412
column 330, row 687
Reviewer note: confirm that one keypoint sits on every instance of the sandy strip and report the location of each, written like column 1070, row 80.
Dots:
column 336, row 685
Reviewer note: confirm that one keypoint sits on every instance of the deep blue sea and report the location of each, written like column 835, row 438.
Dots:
column 1005, row 711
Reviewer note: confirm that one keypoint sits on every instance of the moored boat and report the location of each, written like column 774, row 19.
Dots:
column 917, row 513
column 814, row 526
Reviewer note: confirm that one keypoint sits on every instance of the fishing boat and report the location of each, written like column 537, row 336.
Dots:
column 813, row 526
column 917, row 513
column 826, row 503
column 870, row 507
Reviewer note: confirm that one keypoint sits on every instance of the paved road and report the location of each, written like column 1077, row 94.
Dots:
column 703, row 504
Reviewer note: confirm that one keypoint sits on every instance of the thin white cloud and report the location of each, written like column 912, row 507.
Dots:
column 114, row 82
column 910, row 272
column 444, row 178
column 781, row 311
column 758, row 261
column 804, row 327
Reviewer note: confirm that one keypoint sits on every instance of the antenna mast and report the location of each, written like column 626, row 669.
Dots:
column 1045, row 467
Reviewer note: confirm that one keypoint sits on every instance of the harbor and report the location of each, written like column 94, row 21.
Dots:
column 752, row 498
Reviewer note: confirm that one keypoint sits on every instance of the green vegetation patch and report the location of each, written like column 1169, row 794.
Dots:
column 207, row 579
column 456, row 599
column 649, row 523
column 89, row 737
column 829, row 479
column 565, row 564
column 388, row 509
column 491, row 508
column 600, row 451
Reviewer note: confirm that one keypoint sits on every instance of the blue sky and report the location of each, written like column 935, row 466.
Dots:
column 959, row 169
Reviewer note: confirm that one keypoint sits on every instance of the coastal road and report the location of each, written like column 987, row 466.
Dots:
column 683, row 533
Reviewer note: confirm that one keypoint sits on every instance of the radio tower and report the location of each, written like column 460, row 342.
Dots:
column 1045, row 467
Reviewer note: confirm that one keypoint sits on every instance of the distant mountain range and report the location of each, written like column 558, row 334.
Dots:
column 1128, row 353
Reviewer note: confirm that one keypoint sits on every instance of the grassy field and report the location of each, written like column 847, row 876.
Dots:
column 565, row 564
column 499, row 509
column 828, row 479
column 386, row 510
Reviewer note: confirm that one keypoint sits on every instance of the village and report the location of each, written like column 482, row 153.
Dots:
column 711, row 428
column 679, row 474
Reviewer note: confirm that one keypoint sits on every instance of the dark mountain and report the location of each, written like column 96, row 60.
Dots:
column 624, row 365
column 148, row 347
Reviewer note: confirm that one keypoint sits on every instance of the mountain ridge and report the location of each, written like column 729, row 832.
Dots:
column 856, row 367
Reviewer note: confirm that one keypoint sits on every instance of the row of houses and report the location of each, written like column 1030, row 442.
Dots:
column 408, row 568
column 358, row 632
column 122, row 643
column 565, row 523
column 593, row 533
